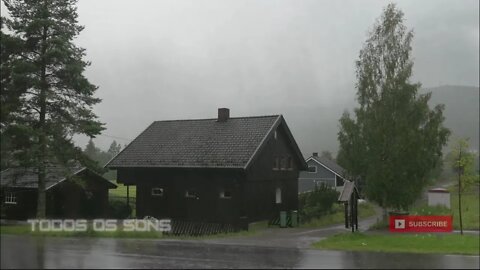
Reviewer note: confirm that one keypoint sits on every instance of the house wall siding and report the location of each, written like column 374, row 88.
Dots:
column 253, row 190
column 207, row 184
column 65, row 200
column 263, row 180
column 307, row 180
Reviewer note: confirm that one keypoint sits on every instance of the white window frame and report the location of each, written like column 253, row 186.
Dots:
column 278, row 196
column 313, row 171
column 222, row 194
column 10, row 198
column 191, row 194
column 153, row 192
column 283, row 163
column 289, row 163
column 319, row 182
column 276, row 163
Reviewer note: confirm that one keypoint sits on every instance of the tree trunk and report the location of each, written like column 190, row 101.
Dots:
column 460, row 191
column 41, row 201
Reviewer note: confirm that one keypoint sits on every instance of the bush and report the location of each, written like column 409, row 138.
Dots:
column 317, row 203
column 120, row 209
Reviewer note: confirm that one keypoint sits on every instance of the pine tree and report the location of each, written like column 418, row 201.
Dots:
column 114, row 149
column 394, row 139
column 57, row 99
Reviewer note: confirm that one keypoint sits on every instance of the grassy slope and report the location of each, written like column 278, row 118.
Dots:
column 413, row 243
column 338, row 217
column 470, row 209
column 254, row 228
column 121, row 191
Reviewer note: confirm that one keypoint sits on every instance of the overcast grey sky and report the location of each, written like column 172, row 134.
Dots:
column 159, row 60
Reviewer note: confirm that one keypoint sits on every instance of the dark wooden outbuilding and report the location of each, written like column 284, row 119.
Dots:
column 349, row 197
column 220, row 170
column 72, row 193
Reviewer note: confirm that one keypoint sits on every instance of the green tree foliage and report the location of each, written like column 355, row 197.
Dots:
column 462, row 163
column 317, row 203
column 101, row 157
column 394, row 140
column 114, row 149
column 55, row 100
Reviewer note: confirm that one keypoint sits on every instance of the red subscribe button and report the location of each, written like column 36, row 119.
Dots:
column 421, row 223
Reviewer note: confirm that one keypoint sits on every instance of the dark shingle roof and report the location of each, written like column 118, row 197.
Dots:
column 331, row 165
column 203, row 143
column 28, row 177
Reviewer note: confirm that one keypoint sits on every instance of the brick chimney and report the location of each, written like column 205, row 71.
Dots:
column 315, row 154
column 223, row 114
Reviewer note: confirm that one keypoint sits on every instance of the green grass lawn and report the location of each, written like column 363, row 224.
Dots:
column 338, row 217
column 254, row 228
column 470, row 213
column 470, row 209
column 121, row 191
column 26, row 230
column 412, row 243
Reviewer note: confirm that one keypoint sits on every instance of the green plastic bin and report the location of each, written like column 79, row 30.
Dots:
column 294, row 218
column 283, row 219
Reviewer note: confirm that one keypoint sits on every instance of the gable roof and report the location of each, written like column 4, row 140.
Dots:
column 348, row 189
column 329, row 165
column 202, row 143
column 28, row 177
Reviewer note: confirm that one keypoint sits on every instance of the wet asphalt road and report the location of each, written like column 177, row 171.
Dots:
column 35, row 252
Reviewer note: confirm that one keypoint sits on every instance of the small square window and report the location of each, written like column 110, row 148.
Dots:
column 312, row 169
column 225, row 194
column 290, row 163
column 191, row 194
column 157, row 191
column 276, row 163
column 10, row 198
column 283, row 163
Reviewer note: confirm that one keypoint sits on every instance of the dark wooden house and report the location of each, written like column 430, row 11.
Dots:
column 82, row 194
column 220, row 170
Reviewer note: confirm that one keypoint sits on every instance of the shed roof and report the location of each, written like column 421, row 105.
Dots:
column 438, row 190
column 348, row 188
column 202, row 143
column 28, row 177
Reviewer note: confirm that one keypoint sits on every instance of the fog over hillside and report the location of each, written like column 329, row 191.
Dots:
column 160, row 60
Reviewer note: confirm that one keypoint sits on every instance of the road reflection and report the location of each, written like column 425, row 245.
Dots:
column 37, row 252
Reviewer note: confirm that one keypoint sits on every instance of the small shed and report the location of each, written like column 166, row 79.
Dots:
column 70, row 193
column 349, row 197
column 439, row 196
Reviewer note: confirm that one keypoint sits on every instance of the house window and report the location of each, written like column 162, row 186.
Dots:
column 10, row 198
column 283, row 163
column 312, row 169
column 276, row 164
column 225, row 194
column 191, row 194
column 320, row 183
column 290, row 163
column 275, row 135
column 278, row 196
column 157, row 191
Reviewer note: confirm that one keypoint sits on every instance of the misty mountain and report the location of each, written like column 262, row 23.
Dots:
column 461, row 111
column 315, row 127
